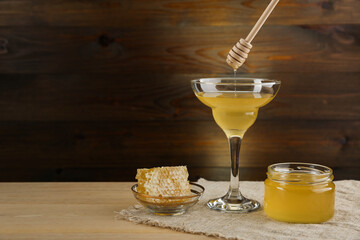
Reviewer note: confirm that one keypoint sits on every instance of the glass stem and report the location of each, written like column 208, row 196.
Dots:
column 234, row 190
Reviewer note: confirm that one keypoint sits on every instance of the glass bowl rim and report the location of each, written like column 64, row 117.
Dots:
column 194, row 195
column 236, row 81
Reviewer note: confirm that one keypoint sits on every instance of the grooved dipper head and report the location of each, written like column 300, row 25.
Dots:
column 238, row 54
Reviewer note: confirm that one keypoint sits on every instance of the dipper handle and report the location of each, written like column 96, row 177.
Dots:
column 240, row 50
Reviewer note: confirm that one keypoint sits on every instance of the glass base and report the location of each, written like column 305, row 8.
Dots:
column 224, row 204
column 168, row 213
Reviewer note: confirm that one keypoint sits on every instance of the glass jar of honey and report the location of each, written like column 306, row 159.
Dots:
column 299, row 192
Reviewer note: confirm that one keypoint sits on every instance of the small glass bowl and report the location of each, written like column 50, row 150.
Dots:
column 169, row 205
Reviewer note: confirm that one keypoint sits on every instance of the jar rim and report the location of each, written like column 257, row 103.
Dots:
column 299, row 173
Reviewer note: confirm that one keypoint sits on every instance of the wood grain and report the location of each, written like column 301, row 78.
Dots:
column 198, row 144
column 92, row 90
column 118, row 174
column 308, row 96
column 323, row 48
column 72, row 211
column 174, row 13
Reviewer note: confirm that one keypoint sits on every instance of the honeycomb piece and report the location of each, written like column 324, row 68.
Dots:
column 163, row 181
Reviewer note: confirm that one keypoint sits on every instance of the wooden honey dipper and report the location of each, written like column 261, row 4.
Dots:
column 241, row 49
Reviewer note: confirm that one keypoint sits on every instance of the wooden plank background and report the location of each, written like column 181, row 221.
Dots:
column 92, row 90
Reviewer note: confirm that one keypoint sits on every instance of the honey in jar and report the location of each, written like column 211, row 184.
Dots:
column 299, row 193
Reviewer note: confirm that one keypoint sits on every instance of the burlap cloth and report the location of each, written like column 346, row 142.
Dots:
column 256, row 225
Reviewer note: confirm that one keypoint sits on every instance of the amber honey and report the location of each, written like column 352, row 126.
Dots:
column 299, row 193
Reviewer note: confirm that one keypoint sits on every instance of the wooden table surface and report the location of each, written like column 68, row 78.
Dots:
column 72, row 211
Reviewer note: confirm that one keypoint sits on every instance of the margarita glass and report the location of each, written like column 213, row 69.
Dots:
column 234, row 103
